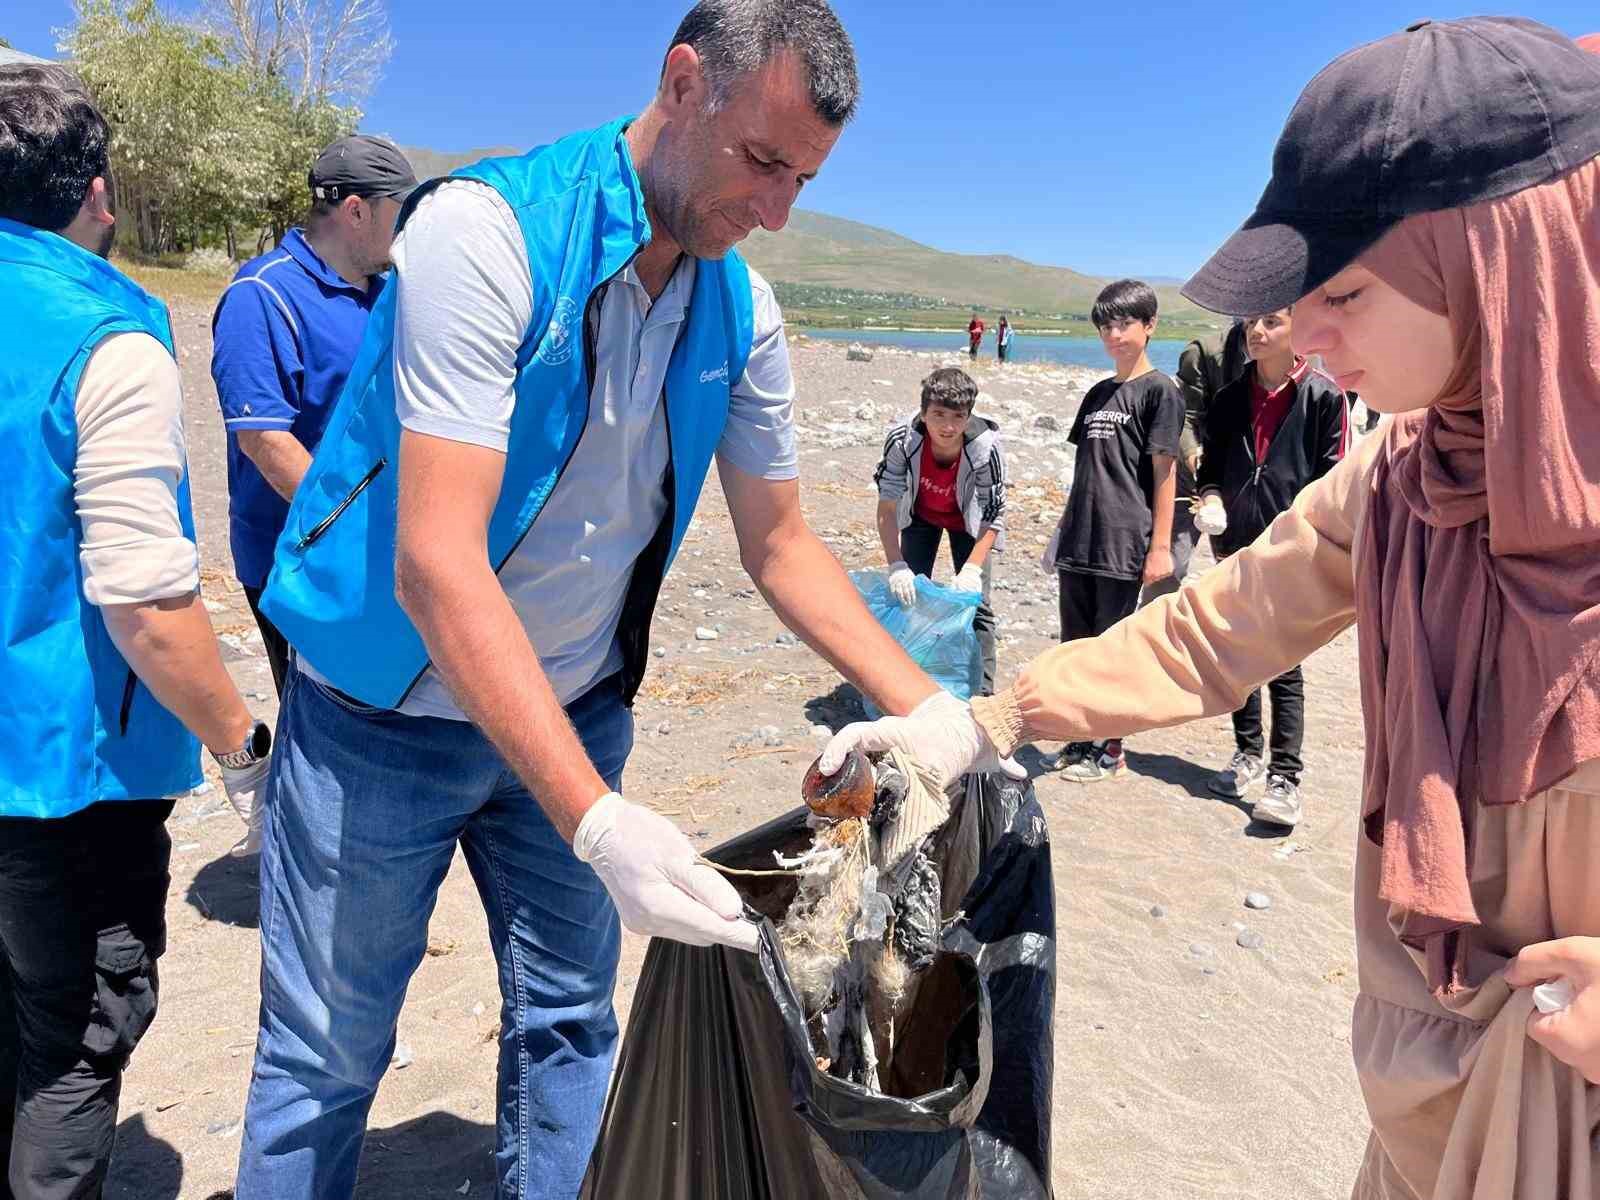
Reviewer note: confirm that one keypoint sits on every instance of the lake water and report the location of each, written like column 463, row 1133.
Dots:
column 1074, row 351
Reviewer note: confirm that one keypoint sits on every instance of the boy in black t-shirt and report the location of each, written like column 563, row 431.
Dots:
column 1116, row 533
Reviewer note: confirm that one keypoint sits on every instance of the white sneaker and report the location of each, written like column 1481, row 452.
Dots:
column 1241, row 774
column 1281, row 805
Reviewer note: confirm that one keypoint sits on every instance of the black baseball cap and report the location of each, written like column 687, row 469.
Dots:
column 363, row 166
column 1442, row 115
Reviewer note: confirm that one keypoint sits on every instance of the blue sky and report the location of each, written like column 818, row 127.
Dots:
column 1115, row 138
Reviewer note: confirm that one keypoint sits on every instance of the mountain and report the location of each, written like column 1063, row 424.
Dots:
column 429, row 164
column 828, row 261
column 827, row 251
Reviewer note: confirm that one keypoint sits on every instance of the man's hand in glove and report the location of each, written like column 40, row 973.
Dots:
column 1210, row 517
column 940, row 733
column 246, row 788
column 969, row 579
column 903, row 584
column 656, row 880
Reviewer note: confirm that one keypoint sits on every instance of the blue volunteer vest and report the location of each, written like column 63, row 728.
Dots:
column 79, row 727
column 581, row 211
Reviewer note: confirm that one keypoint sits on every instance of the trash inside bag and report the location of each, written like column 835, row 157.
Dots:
column 936, row 632
column 721, row 1093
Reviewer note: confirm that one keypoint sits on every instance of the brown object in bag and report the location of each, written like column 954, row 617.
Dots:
column 849, row 792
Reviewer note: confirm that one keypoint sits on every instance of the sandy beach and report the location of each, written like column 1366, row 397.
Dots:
column 1186, row 1066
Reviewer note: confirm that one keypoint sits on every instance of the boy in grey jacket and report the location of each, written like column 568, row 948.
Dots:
column 943, row 472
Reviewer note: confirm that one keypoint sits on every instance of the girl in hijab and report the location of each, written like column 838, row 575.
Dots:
column 1434, row 216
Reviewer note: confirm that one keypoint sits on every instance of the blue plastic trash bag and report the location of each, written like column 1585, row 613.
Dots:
column 936, row 631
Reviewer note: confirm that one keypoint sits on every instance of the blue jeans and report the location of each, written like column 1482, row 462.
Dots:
column 364, row 813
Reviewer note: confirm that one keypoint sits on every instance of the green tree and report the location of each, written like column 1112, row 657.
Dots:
column 204, row 148
column 166, row 89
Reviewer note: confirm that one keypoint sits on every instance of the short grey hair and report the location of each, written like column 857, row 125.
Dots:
column 735, row 38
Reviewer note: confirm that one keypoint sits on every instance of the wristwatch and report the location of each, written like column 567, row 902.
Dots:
column 257, row 745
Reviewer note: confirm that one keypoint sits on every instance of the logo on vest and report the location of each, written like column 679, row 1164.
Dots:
column 556, row 348
column 720, row 375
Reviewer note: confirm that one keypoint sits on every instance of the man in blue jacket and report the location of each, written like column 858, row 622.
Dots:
column 467, row 578
column 108, row 667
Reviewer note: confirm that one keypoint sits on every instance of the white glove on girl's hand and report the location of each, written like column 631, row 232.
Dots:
column 246, row 787
column 1047, row 560
column 969, row 579
column 654, row 875
column 940, row 733
column 903, row 584
column 1211, row 518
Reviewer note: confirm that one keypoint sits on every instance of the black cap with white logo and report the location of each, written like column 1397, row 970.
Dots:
column 362, row 166
column 1442, row 115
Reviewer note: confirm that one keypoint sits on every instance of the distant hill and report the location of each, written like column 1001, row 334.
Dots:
column 429, row 164
column 861, row 269
column 832, row 252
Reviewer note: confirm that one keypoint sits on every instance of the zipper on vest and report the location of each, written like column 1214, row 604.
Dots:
column 322, row 526
column 127, row 702
column 589, row 359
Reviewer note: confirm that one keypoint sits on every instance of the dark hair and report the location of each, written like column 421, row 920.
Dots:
column 1126, row 299
column 949, row 387
column 53, row 144
column 737, row 37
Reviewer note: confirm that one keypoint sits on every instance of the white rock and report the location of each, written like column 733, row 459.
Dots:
column 702, row 634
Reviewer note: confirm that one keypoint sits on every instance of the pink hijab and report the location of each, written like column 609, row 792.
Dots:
column 1479, row 579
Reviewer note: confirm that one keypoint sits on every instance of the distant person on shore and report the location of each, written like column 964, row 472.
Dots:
column 1205, row 365
column 975, row 329
column 285, row 336
column 1434, row 218
column 110, row 671
column 1268, row 435
column 943, row 473
column 1003, row 339
column 1115, row 536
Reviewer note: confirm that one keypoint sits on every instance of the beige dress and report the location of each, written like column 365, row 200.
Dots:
column 1464, row 1105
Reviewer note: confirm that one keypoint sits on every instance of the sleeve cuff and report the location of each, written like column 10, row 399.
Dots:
column 1000, row 717
column 457, row 431
column 258, row 423
column 140, row 572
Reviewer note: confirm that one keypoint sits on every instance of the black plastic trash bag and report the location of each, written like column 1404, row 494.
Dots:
column 717, row 1095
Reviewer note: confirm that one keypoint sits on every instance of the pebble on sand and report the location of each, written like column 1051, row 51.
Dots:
column 702, row 634
column 1249, row 939
column 1259, row 901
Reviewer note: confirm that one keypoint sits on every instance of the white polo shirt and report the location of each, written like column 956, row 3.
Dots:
column 465, row 301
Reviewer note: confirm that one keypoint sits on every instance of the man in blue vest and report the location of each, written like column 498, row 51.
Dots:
column 108, row 665
column 468, row 573
column 284, row 336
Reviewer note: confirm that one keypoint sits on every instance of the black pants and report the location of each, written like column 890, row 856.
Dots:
column 1288, row 692
column 1004, row 351
column 82, row 922
column 919, row 546
column 1092, row 604
column 277, row 644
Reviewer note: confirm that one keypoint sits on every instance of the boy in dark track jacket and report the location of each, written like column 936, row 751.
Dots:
column 1269, row 433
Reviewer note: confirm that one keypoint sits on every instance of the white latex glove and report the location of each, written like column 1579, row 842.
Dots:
column 940, row 733
column 903, row 584
column 245, row 787
column 969, row 579
column 654, row 875
column 1047, row 560
column 1211, row 518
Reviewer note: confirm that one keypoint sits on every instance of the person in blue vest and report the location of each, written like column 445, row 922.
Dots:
column 108, row 665
column 467, row 578
column 284, row 337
